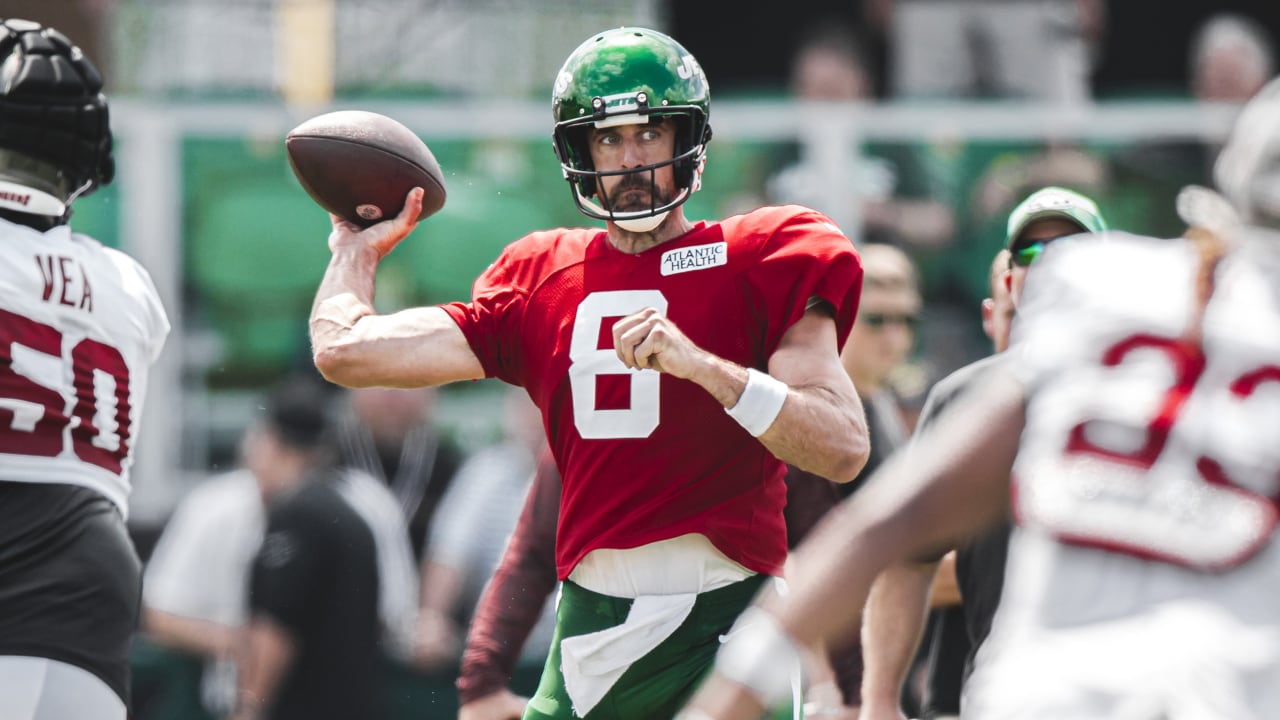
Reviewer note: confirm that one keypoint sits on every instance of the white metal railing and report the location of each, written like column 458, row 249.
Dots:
column 740, row 119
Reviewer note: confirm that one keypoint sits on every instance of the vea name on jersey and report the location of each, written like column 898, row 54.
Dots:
column 65, row 281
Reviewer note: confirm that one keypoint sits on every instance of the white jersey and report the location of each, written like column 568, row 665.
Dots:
column 80, row 325
column 1143, row 572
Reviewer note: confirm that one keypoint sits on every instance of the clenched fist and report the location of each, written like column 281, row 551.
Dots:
column 649, row 340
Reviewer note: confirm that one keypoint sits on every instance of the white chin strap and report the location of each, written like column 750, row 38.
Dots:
column 642, row 224
column 21, row 198
column 636, row 223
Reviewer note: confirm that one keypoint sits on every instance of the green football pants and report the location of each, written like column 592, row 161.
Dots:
column 658, row 684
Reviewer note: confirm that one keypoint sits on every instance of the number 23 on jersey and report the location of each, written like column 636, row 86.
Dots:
column 1176, row 514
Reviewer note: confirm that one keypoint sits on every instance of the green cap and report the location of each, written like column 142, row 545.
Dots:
column 1054, row 202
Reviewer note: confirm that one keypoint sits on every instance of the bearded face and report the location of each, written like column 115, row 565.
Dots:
column 627, row 155
column 638, row 191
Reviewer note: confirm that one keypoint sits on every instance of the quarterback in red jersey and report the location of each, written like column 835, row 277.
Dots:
column 677, row 365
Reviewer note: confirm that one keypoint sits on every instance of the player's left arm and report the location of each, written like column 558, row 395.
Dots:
column 822, row 427
column 805, row 409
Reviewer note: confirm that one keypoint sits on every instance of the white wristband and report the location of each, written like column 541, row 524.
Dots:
column 760, row 403
column 760, row 656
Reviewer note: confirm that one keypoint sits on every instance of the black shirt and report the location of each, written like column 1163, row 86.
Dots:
column 979, row 565
column 316, row 576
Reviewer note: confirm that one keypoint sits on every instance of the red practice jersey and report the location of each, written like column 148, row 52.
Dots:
column 647, row 456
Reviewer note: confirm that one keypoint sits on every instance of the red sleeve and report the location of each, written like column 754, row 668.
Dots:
column 496, row 304
column 512, row 601
column 493, row 321
column 814, row 257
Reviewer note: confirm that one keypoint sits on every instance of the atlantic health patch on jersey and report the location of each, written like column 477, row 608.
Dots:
column 698, row 257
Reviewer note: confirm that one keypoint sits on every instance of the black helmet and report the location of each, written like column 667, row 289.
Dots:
column 55, row 136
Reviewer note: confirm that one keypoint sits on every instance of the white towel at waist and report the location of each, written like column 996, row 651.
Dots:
column 592, row 663
column 664, row 578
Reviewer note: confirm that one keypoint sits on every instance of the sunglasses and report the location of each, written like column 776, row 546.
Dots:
column 1027, row 254
column 879, row 320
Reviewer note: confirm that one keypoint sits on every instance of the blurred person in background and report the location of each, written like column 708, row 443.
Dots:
column 997, row 308
column 891, row 183
column 996, row 177
column 393, row 435
column 195, row 591
column 678, row 367
column 477, row 516
column 1032, row 50
column 1015, row 175
column 82, row 325
column 897, row 605
column 946, row 639
column 1231, row 57
column 331, row 588
column 903, row 193
column 1022, row 49
column 880, row 343
column 1136, row 410
column 510, row 607
column 891, row 193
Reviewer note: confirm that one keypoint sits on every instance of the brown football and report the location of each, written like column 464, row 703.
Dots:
column 360, row 165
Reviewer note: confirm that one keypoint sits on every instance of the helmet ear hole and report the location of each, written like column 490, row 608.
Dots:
column 586, row 186
column 693, row 131
column 580, row 158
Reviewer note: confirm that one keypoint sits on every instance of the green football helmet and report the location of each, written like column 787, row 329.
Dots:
column 623, row 76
